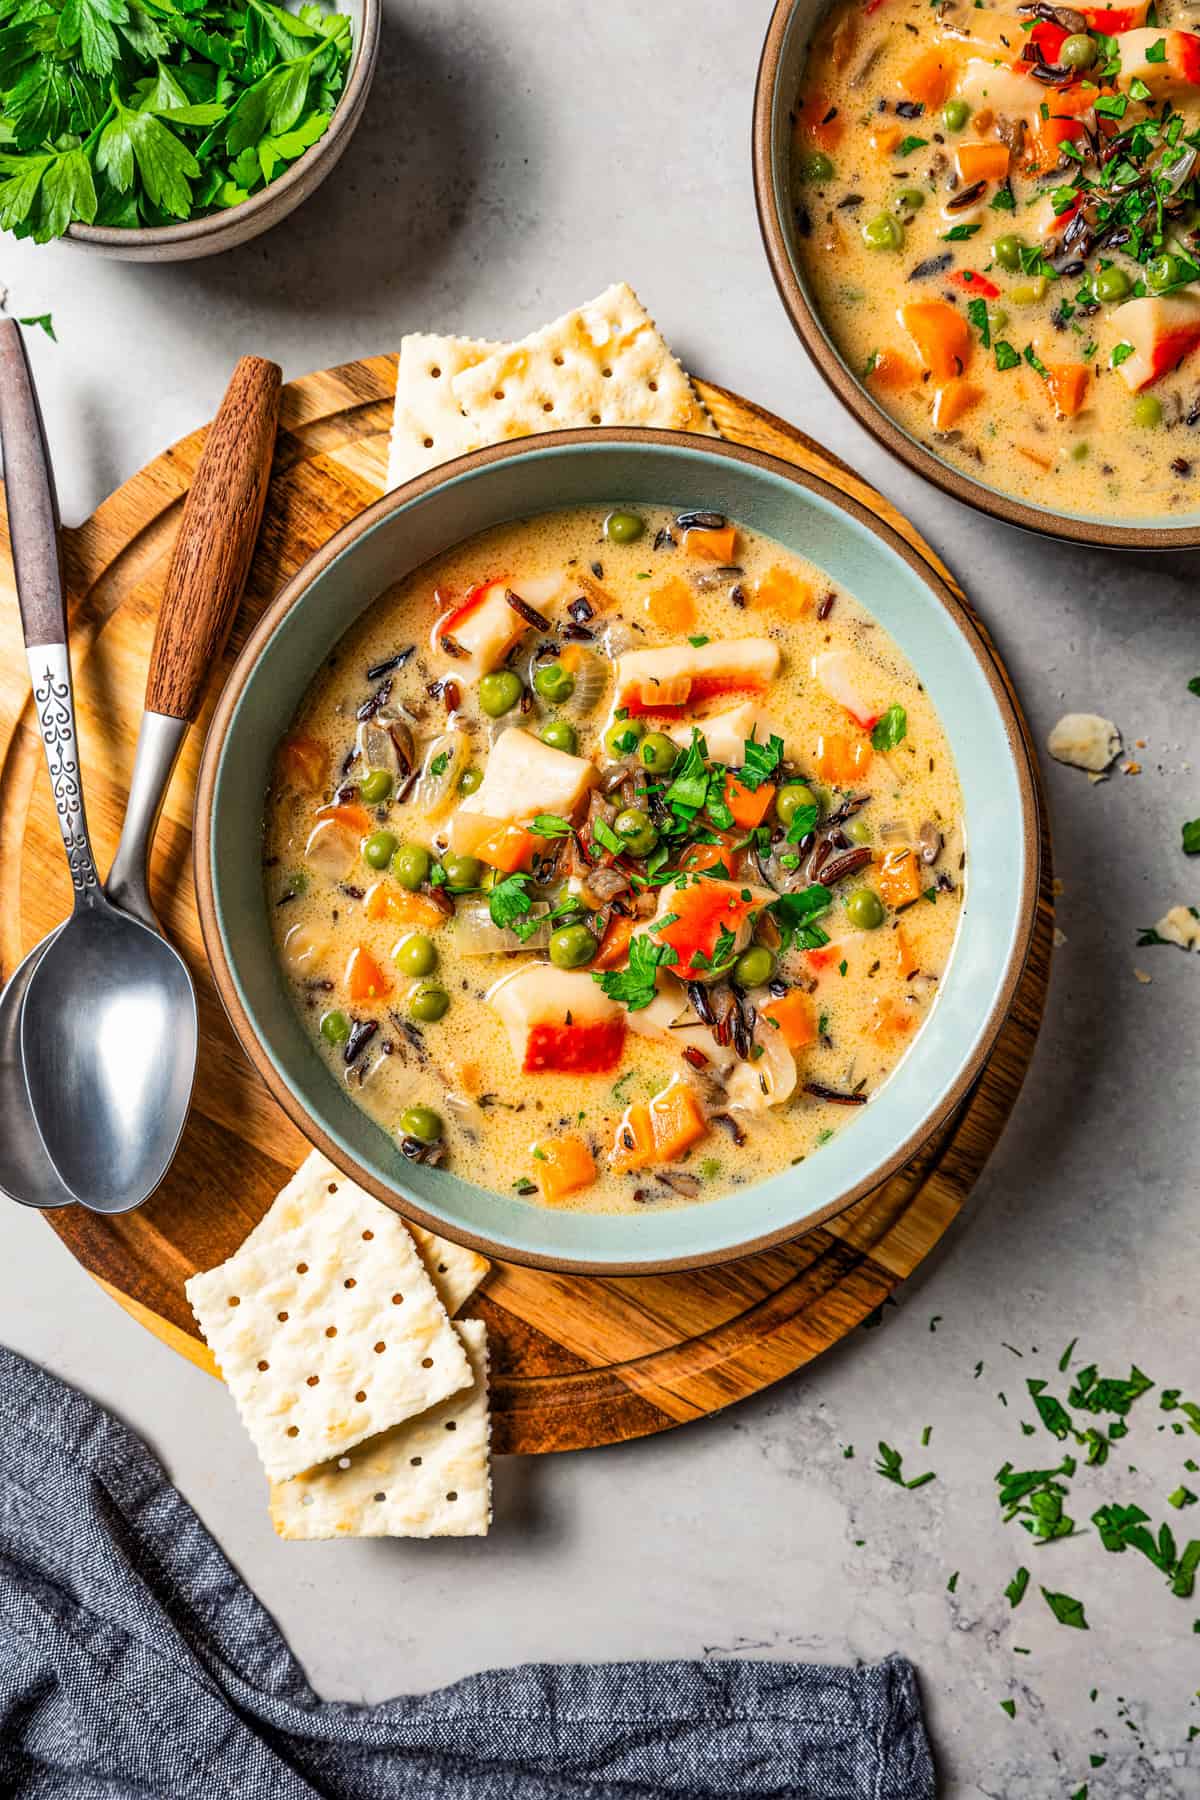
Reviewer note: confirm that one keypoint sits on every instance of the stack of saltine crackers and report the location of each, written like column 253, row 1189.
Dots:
column 606, row 363
column 333, row 1328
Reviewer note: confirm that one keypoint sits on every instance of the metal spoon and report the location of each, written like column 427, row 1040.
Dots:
column 108, row 1023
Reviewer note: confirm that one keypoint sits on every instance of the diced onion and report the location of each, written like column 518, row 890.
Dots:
column 332, row 849
column 476, row 935
column 304, row 950
column 767, row 1081
column 437, row 786
column 591, row 674
column 896, row 831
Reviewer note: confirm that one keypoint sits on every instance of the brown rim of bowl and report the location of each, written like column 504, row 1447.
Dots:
column 851, row 393
column 294, row 591
column 343, row 121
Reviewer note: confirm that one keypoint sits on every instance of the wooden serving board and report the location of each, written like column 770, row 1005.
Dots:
column 577, row 1361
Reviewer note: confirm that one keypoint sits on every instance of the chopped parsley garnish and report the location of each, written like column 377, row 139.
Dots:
column 1006, row 356
column 803, row 821
column 1121, row 353
column 624, row 742
column 890, row 1464
column 634, row 987
column 689, row 789
column 723, row 957
column 1066, row 1609
column 509, row 905
column 1191, row 837
column 604, row 835
column 909, row 144
column 1052, row 1412
column 1002, row 200
column 1157, row 52
column 977, row 312
column 1015, row 1591
column 550, row 825
column 1009, row 1707
column 439, row 764
column 796, row 916
column 1194, row 685
column 761, row 762
column 1034, row 360
column 958, row 234
column 698, row 642
column 46, row 321
column 891, row 729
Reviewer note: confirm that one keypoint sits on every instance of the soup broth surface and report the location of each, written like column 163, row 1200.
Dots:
column 410, row 837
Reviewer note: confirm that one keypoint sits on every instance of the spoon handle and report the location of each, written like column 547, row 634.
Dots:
column 207, row 573
column 33, row 529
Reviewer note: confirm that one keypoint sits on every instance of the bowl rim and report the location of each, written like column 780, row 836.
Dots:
column 293, row 593
column 853, row 395
column 191, row 231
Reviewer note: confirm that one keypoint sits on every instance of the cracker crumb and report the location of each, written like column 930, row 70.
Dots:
column 1142, row 976
column 1085, row 741
column 1131, row 768
column 1057, row 888
column 1060, row 938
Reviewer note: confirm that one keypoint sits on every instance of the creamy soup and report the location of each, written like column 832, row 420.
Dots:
column 996, row 212
column 614, row 859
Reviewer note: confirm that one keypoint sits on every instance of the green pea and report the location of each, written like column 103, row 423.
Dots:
column 791, row 797
column 554, row 683
column 864, row 909
column 376, row 786
column 858, row 831
column 623, row 737
column 997, row 318
column 461, row 872
column 416, row 955
column 1078, row 51
column 1147, row 411
column 429, row 1004
column 571, row 946
column 410, row 866
column 1110, row 284
column 908, row 200
column 1028, row 293
column 335, row 1027
column 754, row 967
column 560, row 734
column 883, row 232
column 379, row 849
column 658, row 754
column 955, row 114
column 624, row 527
column 1079, row 452
column 469, row 780
column 635, row 827
column 1007, row 251
column 1165, row 271
column 422, row 1123
column 499, row 692
column 816, row 168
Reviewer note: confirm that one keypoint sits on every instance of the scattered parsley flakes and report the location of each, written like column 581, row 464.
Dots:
column 46, row 321
column 635, row 986
column 1157, row 52
column 958, row 234
column 1193, row 684
column 796, row 916
column 952, row 1584
column 1066, row 1609
column 977, row 313
column 1015, row 1591
column 1121, row 353
column 1003, row 200
column 1035, row 362
column 698, row 642
column 550, row 825
column 909, row 144
column 1191, row 837
column 890, row 1463
column 1182, row 1497
column 1009, row 1707
column 761, row 761
column 1006, row 356
column 509, row 906
column 891, row 729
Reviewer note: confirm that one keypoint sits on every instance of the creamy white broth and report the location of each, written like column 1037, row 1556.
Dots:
column 865, row 991
column 1077, row 420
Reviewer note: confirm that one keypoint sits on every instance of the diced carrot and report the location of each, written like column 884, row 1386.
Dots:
column 928, row 79
column 633, row 1145
column 467, row 1076
column 972, row 282
column 886, row 138
column 892, row 371
column 304, row 762
column 348, row 813
column 824, row 958
column 706, row 856
column 509, row 848
column 952, row 399
column 982, row 162
column 749, row 807
column 365, row 980
column 899, row 880
column 563, row 1166
column 840, row 759
column 702, row 914
column 781, row 592
column 713, row 546
column 582, row 1049
column 614, row 945
column 1034, row 456
column 814, row 123
column 1061, row 126
column 677, row 1120
column 891, row 1019
column 792, row 1016
column 1067, row 385
column 906, row 959
column 941, row 335
column 384, row 900
column 672, row 606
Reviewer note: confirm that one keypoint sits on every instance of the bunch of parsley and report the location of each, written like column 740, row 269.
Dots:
column 143, row 112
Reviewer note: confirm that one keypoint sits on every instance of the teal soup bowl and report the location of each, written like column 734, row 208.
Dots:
column 604, row 467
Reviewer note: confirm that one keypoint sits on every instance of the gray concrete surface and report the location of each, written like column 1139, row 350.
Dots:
column 516, row 158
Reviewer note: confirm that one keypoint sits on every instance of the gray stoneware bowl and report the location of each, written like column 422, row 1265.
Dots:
column 606, row 467
column 238, row 224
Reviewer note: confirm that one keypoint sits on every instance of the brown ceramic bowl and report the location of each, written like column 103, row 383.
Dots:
column 238, row 224
column 603, row 467
column 779, row 75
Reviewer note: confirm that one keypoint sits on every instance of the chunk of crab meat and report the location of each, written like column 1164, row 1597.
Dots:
column 332, row 849
column 708, row 922
column 1163, row 329
column 834, row 669
column 1175, row 77
column 522, row 777
column 726, row 734
column 479, row 632
column 559, row 1021
column 768, row 1079
column 1001, row 88
column 658, row 1022
column 304, row 950
column 1113, row 21
column 666, row 680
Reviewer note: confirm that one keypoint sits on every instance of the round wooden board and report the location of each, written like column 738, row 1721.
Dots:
column 577, row 1361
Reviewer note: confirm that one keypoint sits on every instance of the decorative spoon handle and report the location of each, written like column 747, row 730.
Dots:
column 33, row 529
column 205, row 581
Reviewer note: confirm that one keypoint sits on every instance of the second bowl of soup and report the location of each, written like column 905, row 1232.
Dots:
column 616, row 853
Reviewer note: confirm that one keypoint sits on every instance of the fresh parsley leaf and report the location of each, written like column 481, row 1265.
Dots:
column 803, row 821
column 1191, row 837
column 1156, row 52
column 439, row 764
column 1003, row 200
column 1006, row 356
column 1066, row 1610
column 1193, row 684
column 1009, row 1707
column 1015, row 1591
column 977, row 312
column 889, row 1464
column 891, row 729
column 509, row 904
column 689, row 789
column 550, row 825
column 634, row 987
column 909, row 144
column 1121, row 353
column 1035, row 362
column 761, row 762
column 958, row 234
column 1052, row 1412
column 796, row 916
column 698, row 642
column 45, row 320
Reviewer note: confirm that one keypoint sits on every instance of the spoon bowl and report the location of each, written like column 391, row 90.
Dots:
column 26, row 1173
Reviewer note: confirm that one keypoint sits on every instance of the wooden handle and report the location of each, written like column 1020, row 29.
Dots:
column 32, row 502
column 211, row 558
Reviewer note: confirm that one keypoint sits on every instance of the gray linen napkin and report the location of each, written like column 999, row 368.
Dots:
column 136, row 1665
